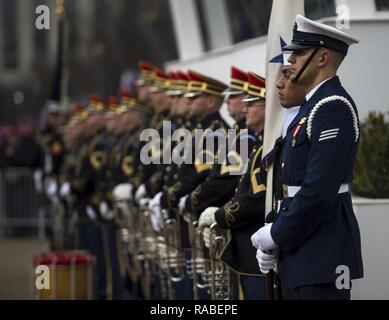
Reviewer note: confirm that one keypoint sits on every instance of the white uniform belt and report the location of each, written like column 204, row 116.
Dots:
column 290, row 191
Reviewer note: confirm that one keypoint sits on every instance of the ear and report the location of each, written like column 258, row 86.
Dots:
column 210, row 102
column 324, row 58
column 216, row 102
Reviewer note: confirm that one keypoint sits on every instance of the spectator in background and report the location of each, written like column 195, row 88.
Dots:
column 18, row 145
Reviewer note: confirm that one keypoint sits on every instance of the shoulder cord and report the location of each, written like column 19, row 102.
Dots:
column 327, row 100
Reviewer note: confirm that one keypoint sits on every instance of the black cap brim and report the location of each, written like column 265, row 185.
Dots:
column 295, row 47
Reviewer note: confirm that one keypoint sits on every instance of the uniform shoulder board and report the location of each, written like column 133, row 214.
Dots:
column 326, row 100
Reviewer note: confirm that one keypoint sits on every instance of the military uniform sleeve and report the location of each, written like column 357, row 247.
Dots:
column 221, row 184
column 248, row 204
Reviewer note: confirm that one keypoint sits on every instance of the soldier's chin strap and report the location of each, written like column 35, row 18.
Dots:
column 296, row 78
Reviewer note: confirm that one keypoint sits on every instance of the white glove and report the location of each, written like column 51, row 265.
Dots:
column 65, row 191
column 262, row 239
column 52, row 191
column 207, row 236
column 38, row 174
column 156, row 218
column 123, row 207
column 207, row 218
column 266, row 262
column 181, row 204
column 91, row 212
column 122, row 192
column 105, row 211
column 156, row 201
column 140, row 193
column 51, row 188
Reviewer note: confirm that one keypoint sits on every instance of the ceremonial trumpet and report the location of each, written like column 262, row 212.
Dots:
column 176, row 262
column 220, row 277
column 199, row 266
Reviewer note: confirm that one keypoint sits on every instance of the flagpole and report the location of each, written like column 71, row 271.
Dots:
column 281, row 22
column 63, row 45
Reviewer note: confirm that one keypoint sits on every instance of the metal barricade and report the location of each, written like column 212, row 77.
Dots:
column 19, row 201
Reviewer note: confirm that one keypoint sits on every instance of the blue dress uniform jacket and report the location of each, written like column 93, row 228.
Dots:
column 316, row 230
column 243, row 215
column 220, row 185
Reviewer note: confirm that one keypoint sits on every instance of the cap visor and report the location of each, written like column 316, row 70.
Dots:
column 250, row 98
column 293, row 47
column 231, row 92
column 155, row 89
column 172, row 93
column 192, row 94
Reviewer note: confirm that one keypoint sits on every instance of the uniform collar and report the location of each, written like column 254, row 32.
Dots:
column 321, row 89
column 241, row 124
column 206, row 122
column 289, row 115
column 312, row 92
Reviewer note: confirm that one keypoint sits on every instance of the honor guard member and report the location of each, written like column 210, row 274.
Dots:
column 144, row 82
column 53, row 143
column 206, row 98
column 245, row 212
column 53, row 150
column 131, row 115
column 104, row 180
column 90, row 162
column 219, row 187
column 73, row 136
column 151, row 175
column 316, row 230
column 179, row 111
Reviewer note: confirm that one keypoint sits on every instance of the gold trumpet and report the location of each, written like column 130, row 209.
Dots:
column 126, row 217
column 200, row 265
column 148, row 248
column 176, row 263
column 220, row 277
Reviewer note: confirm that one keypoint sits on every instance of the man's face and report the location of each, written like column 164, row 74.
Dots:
column 255, row 113
column 198, row 106
column 289, row 93
column 144, row 94
column 174, row 106
column 159, row 101
column 235, row 106
column 72, row 134
column 131, row 120
column 94, row 123
column 183, row 107
column 297, row 60
column 111, row 125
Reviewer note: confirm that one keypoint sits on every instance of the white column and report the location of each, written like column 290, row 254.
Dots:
column 217, row 23
column 358, row 8
column 187, row 28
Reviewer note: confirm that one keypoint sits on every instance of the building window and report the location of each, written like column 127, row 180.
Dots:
column 10, row 32
column 382, row 5
column 40, row 39
column 317, row 9
column 248, row 18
